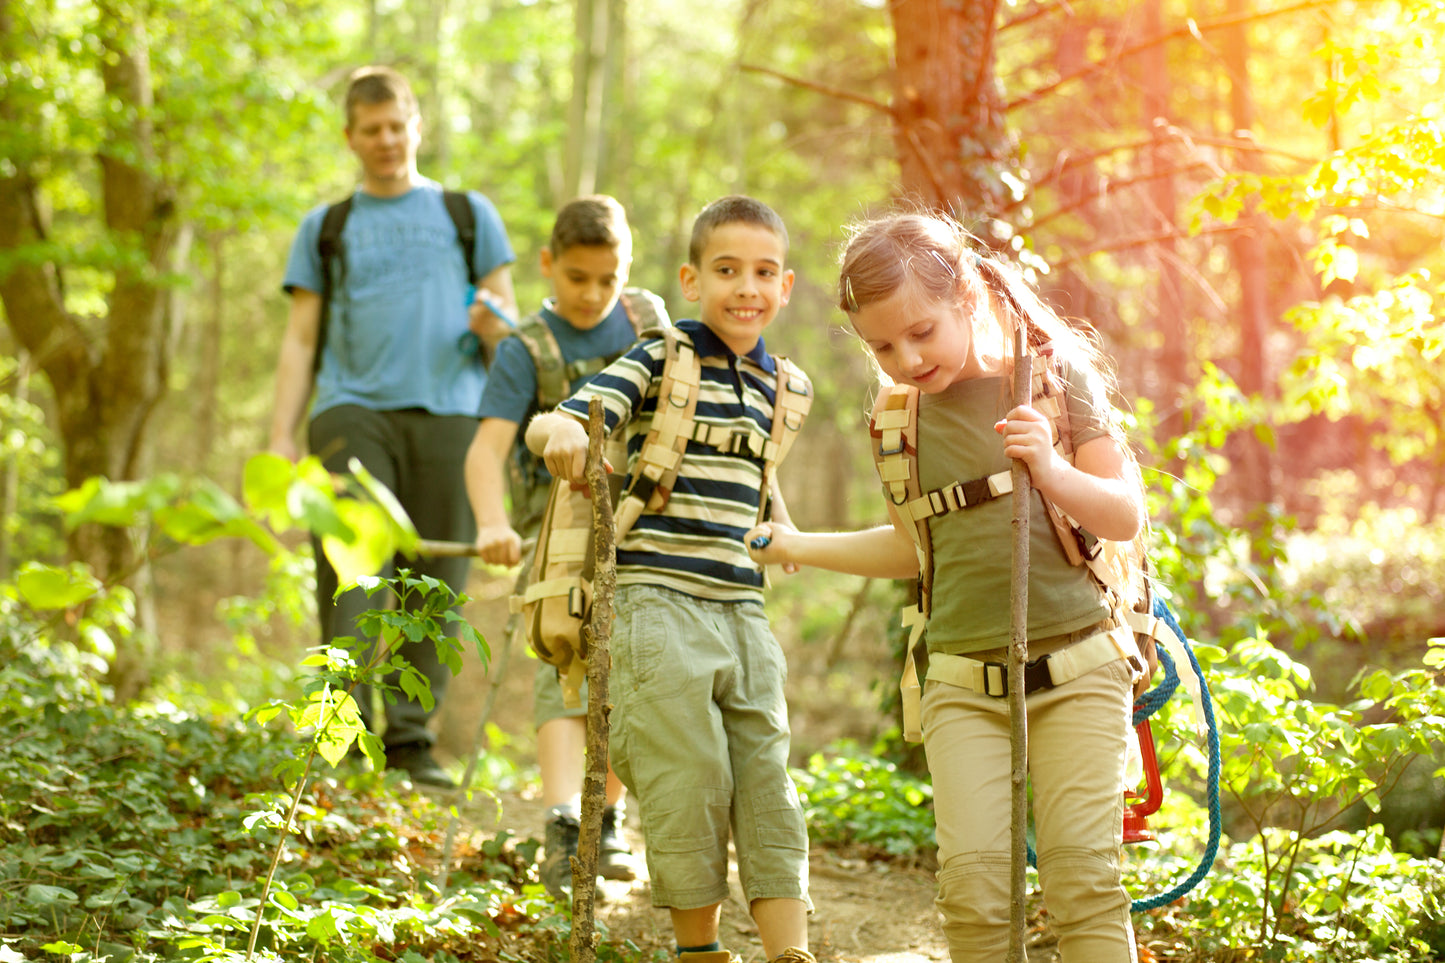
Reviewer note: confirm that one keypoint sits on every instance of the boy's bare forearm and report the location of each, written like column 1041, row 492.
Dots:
column 486, row 472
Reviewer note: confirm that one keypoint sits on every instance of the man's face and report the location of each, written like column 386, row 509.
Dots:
column 384, row 137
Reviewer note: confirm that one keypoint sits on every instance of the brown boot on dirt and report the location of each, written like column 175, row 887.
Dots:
column 710, row 956
column 794, row 955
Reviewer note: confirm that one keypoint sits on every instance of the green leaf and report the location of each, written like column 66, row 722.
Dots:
column 371, row 546
column 265, row 485
column 42, row 895
column 46, row 587
column 407, row 539
column 62, row 948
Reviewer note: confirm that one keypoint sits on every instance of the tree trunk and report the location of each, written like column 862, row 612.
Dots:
column 953, row 147
column 10, row 477
column 108, row 373
column 584, row 113
column 206, row 384
column 1174, row 376
column 1250, row 263
column 618, row 98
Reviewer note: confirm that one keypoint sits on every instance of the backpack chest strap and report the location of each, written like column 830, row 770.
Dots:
column 957, row 496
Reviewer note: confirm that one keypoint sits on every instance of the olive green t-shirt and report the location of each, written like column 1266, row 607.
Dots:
column 973, row 547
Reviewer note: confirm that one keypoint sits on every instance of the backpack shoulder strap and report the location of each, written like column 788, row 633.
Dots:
column 893, row 428
column 459, row 208
column 644, row 310
column 792, row 400
column 333, row 268
column 541, row 344
column 669, row 433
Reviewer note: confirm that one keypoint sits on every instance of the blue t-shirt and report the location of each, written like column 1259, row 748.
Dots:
column 399, row 315
column 511, row 391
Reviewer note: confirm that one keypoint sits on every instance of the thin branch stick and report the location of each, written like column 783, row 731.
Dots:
column 1018, row 654
column 598, row 633
column 435, row 548
column 835, row 92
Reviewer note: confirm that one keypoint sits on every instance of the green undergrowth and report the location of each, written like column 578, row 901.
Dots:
column 144, row 834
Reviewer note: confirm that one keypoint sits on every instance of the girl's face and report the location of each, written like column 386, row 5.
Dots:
column 925, row 343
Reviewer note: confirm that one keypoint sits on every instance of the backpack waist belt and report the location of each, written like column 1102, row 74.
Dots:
column 1055, row 669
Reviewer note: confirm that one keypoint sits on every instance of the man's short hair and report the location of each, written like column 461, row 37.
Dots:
column 596, row 220
column 378, row 85
column 733, row 209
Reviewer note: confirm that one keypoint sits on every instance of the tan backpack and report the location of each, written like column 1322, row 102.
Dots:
column 1117, row 566
column 556, row 605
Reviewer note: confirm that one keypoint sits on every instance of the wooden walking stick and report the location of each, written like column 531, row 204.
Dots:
column 599, row 633
column 1018, row 654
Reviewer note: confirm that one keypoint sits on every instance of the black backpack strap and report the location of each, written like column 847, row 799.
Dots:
column 333, row 268
column 459, row 207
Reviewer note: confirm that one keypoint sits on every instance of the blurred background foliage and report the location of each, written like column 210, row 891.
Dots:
column 1243, row 196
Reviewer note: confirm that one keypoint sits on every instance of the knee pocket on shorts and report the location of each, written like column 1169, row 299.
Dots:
column 779, row 820
column 692, row 825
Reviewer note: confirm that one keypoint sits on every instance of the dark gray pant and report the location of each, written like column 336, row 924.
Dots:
column 420, row 457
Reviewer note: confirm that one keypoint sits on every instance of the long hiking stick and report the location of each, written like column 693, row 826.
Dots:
column 1018, row 654
column 599, row 632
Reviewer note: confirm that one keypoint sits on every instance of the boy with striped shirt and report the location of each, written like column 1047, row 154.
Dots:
column 699, row 726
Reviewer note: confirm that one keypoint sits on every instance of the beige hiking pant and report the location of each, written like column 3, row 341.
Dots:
column 1077, row 738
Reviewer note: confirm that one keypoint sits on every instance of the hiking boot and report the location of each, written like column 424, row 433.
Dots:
column 560, row 845
column 415, row 759
column 614, row 858
column 794, row 955
column 710, row 956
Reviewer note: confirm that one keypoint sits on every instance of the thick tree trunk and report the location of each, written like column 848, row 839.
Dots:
column 107, row 374
column 953, row 147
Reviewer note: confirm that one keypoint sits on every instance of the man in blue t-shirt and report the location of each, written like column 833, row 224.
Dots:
column 399, row 379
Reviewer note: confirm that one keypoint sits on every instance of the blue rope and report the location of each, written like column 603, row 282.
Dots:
column 1150, row 703
column 1162, row 610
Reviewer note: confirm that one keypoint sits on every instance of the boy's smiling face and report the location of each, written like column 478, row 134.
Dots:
column 586, row 279
column 740, row 283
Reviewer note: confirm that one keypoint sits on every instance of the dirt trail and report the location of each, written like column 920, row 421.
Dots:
column 863, row 912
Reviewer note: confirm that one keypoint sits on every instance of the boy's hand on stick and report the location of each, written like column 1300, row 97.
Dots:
column 566, row 452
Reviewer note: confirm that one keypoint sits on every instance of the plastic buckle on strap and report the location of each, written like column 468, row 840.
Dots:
column 740, row 441
column 886, row 452
column 576, row 603
column 995, row 679
column 975, row 491
column 1036, row 677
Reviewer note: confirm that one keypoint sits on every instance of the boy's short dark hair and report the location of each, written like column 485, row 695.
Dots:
column 596, row 220
column 378, row 85
column 733, row 209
